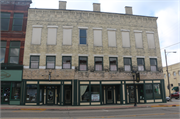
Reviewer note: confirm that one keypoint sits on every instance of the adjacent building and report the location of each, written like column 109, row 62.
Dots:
column 76, row 57
column 13, row 29
column 174, row 78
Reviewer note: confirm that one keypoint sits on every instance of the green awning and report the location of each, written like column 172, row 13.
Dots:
column 175, row 88
column 11, row 75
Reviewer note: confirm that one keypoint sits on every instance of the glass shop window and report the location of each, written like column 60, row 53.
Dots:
column 31, row 94
column 95, row 93
column 84, row 93
column 16, row 90
column 149, row 91
column 157, row 91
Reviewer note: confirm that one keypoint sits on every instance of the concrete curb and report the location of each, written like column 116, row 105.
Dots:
column 84, row 108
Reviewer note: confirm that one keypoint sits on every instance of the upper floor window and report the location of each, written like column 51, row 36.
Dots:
column 83, row 63
column 34, row 62
column 127, row 64
column 174, row 73
column 3, row 51
column 98, row 37
column 67, row 35
column 112, row 38
column 50, row 62
column 14, row 52
column 164, row 75
column 82, row 36
column 138, row 39
column 179, row 73
column 151, row 42
column 113, row 63
column 5, row 18
column 98, row 63
column 140, row 62
column 36, row 34
column 66, row 60
column 153, row 63
column 17, row 22
column 52, row 35
column 125, row 39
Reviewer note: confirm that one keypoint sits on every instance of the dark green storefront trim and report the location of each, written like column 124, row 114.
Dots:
column 76, row 87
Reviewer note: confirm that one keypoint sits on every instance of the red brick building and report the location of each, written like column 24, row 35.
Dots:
column 14, row 15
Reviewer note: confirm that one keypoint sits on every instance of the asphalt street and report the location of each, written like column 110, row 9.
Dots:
column 143, row 113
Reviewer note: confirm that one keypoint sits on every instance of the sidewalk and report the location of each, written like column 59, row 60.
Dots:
column 99, row 107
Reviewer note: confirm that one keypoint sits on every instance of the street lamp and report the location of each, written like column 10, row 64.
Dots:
column 133, row 74
column 167, row 70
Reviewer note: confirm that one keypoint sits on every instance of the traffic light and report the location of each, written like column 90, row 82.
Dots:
column 137, row 77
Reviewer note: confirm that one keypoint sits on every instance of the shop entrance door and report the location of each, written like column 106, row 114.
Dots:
column 109, row 95
column 5, row 94
column 67, row 95
column 131, row 94
column 50, row 95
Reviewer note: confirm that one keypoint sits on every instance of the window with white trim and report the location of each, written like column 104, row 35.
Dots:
column 34, row 62
column 98, row 63
column 82, row 36
column 50, row 62
column 140, row 62
column 153, row 63
column 127, row 64
column 83, row 63
column 113, row 63
column 66, row 62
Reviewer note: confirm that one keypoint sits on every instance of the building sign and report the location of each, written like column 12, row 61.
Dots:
column 94, row 97
column 11, row 75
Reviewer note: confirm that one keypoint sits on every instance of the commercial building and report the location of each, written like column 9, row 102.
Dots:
column 174, row 78
column 13, row 29
column 75, row 57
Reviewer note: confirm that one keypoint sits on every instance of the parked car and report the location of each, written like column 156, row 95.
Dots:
column 175, row 95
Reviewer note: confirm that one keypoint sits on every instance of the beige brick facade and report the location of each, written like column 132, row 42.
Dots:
column 89, row 19
column 174, row 79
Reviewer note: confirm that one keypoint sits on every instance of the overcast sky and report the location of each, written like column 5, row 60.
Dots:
column 167, row 11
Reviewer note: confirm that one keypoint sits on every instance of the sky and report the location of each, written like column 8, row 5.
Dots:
column 167, row 11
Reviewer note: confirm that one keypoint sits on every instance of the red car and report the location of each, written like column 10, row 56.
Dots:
column 175, row 95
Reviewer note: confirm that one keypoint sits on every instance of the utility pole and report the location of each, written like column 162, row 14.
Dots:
column 167, row 75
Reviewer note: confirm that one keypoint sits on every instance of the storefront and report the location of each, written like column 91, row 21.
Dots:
column 79, row 92
column 11, row 77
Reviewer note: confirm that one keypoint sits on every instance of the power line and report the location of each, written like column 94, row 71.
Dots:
column 171, row 45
